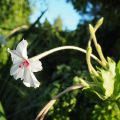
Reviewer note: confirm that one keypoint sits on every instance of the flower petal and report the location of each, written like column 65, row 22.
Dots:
column 36, row 66
column 19, row 74
column 30, row 79
column 14, row 69
column 16, row 58
column 22, row 48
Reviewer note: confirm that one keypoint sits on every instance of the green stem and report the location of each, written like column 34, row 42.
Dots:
column 88, row 59
column 99, row 23
column 97, row 46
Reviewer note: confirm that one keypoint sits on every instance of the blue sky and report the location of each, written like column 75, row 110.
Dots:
column 56, row 8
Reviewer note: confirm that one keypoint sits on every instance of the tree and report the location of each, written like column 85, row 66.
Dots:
column 58, row 24
column 111, row 27
column 13, row 14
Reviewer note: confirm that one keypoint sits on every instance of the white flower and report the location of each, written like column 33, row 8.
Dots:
column 23, row 67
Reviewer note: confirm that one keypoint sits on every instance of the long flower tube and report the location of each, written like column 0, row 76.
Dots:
column 44, row 54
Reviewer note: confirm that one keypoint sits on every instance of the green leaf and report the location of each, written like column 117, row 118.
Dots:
column 2, row 113
column 108, row 77
column 117, row 82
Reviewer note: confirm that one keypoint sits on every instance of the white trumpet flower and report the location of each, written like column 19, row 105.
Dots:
column 23, row 67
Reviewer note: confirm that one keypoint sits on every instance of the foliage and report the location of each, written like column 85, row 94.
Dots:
column 13, row 14
column 58, row 24
column 106, row 111
column 62, row 69
column 2, row 114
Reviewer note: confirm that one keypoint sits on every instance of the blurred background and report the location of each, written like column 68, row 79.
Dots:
column 46, row 24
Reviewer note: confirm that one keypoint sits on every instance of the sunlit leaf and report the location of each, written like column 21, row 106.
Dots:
column 2, row 113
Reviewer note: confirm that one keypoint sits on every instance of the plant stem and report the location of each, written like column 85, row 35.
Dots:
column 68, row 89
column 46, row 108
column 97, row 46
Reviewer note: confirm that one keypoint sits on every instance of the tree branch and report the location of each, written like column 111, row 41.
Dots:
column 17, row 31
